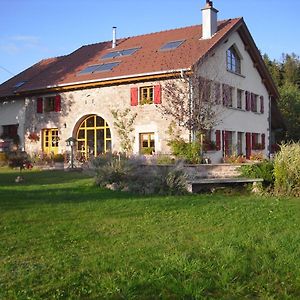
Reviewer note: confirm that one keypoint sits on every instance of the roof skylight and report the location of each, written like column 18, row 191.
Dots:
column 19, row 84
column 120, row 53
column 171, row 45
column 99, row 68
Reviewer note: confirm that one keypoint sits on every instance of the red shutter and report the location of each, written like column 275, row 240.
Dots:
column 57, row 104
column 263, row 141
column 262, row 108
column 254, row 142
column 247, row 100
column 218, row 140
column 248, row 145
column 252, row 101
column 157, row 94
column 134, row 96
column 39, row 105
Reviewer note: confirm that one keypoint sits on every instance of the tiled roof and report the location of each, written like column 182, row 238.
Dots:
column 148, row 59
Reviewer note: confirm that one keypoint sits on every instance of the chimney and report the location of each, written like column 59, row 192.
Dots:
column 114, row 40
column 209, row 20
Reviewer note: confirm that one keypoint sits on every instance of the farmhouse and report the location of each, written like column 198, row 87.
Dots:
column 73, row 95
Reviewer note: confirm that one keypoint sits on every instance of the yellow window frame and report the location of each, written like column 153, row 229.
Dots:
column 146, row 95
column 50, row 140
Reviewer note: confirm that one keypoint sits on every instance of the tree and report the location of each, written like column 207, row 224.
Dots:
column 289, row 105
column 192, row 101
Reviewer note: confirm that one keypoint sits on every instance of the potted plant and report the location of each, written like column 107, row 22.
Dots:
column 59, row 160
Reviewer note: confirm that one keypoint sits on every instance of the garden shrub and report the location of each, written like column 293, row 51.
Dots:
column 262, row 170
column 19, row 159
column 135, row 175
column 287, row 170
column 189, row 152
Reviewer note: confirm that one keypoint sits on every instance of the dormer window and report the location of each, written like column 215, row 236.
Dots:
column 233, row 60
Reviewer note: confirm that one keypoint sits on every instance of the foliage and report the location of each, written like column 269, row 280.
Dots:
column 290, row 107
column 187, row 151
column 3, row 159
column 287, row 170
column 164, row 159
column 124, row 121
column 194, row 110
column 33, row 136
column 59, row 157
column 257, row 156
column 235, row 159
column 262, row 170
column 133, row 174
column 63, row 238
column 19, row 159
column 286, row 74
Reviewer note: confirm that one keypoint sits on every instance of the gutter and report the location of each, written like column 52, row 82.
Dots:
column 107, row 81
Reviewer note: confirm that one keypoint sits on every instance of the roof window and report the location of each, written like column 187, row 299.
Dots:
column 171, row 45
column 120, row 53
column 19, row 84
column 99, row 68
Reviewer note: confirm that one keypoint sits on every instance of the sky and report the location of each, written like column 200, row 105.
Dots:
column 31, row 30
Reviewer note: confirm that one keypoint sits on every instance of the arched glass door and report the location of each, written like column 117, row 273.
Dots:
column 93, row 137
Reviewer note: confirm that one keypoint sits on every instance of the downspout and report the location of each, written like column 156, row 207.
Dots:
column 191, row 105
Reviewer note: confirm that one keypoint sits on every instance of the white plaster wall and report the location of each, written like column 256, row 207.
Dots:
column 233, row 119
column 13, row 112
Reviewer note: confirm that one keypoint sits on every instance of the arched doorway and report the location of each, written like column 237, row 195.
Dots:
column 93, row 137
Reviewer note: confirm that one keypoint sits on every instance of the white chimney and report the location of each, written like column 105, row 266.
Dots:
column 209, row 20
column 114, row 40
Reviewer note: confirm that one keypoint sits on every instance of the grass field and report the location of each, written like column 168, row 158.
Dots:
column 63, row 238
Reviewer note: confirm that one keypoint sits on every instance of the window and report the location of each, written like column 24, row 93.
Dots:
column 99, row 68
column 146, row 95
column 171, row 45
column 240, row 143
column 9, row 131
column 228, row 142
column 147, row 143
column 239, row 99
column 49, row 104
column 233, row 60
column 254, row 100
column 227, row 95
column 19, row 84
column 119, row 53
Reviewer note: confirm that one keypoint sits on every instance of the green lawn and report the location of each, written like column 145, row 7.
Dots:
column 63, row 238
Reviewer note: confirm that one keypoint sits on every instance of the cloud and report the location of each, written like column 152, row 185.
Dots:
column 21, row 43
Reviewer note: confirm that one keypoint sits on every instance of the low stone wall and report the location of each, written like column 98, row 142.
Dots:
column 212, row 171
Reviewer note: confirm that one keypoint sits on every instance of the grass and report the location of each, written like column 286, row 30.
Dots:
column 63, row 238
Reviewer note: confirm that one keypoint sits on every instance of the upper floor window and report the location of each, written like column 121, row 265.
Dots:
column 239, row 99
column 48, row 104
column 146, row 95
column 233, row 60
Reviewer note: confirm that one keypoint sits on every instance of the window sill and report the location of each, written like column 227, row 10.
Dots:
column 235, row 73
column 235, row 108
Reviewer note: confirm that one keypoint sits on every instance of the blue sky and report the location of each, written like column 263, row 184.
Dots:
column 31, row 30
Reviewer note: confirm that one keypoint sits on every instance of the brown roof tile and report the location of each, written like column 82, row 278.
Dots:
column 148, row 59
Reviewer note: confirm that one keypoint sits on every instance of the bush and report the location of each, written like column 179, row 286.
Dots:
column 189, row 152
column 58, row 158
column 19, row 159
column 287, row 170
column 134, row 175
column 262, row 170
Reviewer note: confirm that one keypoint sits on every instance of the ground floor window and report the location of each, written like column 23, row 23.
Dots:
column 240, row 143
column 93, row 137
column 9, row 131
column 147, row 143
column 50, row 140
column 228, row 143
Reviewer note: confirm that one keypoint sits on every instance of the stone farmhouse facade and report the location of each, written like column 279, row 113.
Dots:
column 73, row 95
